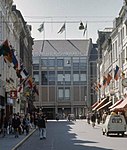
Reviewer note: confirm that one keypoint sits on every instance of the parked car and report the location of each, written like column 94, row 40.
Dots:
column 114, row 124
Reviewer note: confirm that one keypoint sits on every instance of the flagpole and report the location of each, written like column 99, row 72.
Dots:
column 44, row 31
column 65, row 30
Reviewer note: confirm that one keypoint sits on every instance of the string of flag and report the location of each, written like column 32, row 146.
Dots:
column 63, row 28
column 118, row 73
column 7, row 51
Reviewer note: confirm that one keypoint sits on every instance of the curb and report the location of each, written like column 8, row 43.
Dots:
column 21, row 142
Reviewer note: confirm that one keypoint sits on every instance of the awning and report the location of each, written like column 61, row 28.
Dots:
column 116, row 103
column 102, row 102
column 95, row 104
column 122, row 105
column 105, row 105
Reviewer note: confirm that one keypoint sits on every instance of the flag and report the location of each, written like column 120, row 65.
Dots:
column 13, row 94
column 104, row 81
column 41, row 28
column 99, row 85
column 116, row 73
column 35, row 89
column 62, row 29
column 85, row 29
column 4, row 48
column 123, row 75
column 24, row 73
column 14, row 59
column 109, row 78
column 30, row 82
column 81, row 27
column 19, row 89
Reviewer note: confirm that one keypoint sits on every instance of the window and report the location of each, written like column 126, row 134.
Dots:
column 83, row 62
column 35, row 60
column 59, row 62
column 60, row 76
column 67, row 76
column 67, row 93
column 44, row 62
column 35, row 66
column 44, row 78
column 75, row 76
column 51, row 77
column 76, row 62
column 51, row 62
column 83, row 76
column 36, row 76
column 60, row 93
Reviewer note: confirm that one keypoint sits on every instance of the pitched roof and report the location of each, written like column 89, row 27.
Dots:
column 61, row 47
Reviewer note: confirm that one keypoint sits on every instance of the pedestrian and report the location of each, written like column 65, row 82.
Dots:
column 5, row 125
column 88, row 118
column 42, row 127
column 16, row 125
column 26, row 124
column 93, row 119
column 98, row 117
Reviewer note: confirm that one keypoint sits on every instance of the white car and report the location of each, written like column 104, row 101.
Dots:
column 114, row 124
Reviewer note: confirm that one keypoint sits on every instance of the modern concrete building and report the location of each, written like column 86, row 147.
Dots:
column 61, row 69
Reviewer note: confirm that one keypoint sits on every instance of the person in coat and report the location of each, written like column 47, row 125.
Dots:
column 16, row 125
column 42, row 127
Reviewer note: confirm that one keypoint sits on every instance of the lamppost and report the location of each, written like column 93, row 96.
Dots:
column 85, row 107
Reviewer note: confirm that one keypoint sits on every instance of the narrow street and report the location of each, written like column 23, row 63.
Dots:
column 77, row 135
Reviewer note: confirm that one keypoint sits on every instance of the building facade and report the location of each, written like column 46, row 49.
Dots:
column 61, row 70
column 11, row 26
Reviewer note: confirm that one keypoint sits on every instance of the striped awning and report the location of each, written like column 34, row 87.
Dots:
column 105, row 105
column 116, row 103
column 122, row 105
column 102, row 102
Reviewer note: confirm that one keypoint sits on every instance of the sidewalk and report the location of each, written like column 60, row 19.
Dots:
column 9, row 142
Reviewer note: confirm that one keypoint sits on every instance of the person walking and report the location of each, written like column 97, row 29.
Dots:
column 93, row 119
column 26, row 124
column 16, row 125
column 42, row 127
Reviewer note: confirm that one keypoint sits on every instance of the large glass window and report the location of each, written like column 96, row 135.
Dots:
column 51, row 62
column 51, row 77
column 76, row 62
column 60, row 93
column 60, row 76
column 83, row 62
column 35, row 66
column 75, row 76
column 60, row 62
column 35, row 60
column 67, row 93
column 36, row 76
column 44, row 62
column 44, row 78
column 82, row 76
column 67, row 76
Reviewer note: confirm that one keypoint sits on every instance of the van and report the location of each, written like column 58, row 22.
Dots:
column 114, row 124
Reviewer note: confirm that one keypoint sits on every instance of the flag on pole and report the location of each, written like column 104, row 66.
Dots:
column 81, row 27
column 123, row 75
column 104, row 81
column 62, row 29
column 116, row 73
column 109, row 78
column 41, row 28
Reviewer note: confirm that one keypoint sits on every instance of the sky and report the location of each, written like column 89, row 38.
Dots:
column 97, row 14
